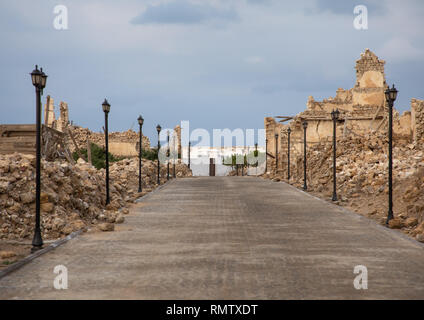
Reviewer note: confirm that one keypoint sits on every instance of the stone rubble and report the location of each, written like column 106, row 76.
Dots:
column 362, row 175
column 73, row 196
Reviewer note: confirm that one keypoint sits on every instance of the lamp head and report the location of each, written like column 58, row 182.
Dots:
column 140, row 120
column 37, row 77
column 106, row 106
column 391, row 94
column 43, row 79
column 335, row 114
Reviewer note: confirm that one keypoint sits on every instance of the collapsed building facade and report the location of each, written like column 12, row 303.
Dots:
column 61, row 137
column 122, row 144
column 363, row 110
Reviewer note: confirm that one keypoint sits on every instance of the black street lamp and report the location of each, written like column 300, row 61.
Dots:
column 174, row 159
column 391, row 95
column 242, row 165
column 167, row 155
column 266, row 155
column 39, row 79
column 106, row 110
column 305, row 126
column 256, row 155
column 140, row 122
column 335, row 116
column 288, row 153
column 276, row 152
column 158, row 128
column 189, row 147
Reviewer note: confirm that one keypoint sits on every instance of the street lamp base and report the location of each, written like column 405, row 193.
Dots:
column 36, row 248
column 334, row 198
column 139, row 190
column 305, row 187
column 37, row 241
column 389, row 217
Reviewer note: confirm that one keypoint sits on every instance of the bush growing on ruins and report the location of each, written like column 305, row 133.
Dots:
column 150, row 154
column 240, row 159
column 98, row 157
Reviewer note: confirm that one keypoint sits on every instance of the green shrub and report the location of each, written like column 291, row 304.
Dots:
column 239, row 158
column 98, row 156
column 150, row 154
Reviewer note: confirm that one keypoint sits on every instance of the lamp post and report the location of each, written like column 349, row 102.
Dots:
column 276, row 152
column 189, row 147
column 140, row 122
column 174, row 174
column 242, row 165
column 266, row 155
column 305, row 126
column 158, row 128
column 256, row 155
column 391, row 95
column 106, row 110
column 167, row 155
column 288, row 153
column 39, row 79
column 335, row 117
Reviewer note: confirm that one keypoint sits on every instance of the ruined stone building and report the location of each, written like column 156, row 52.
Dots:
column 22, row 137
column 123, row 144
column 50, row 116
column 363, row 110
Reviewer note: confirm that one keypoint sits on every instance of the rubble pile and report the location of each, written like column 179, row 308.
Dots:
column 73, row 196
column 126, row 172
column 362, row 176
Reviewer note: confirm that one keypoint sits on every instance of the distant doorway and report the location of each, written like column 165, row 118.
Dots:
column 212, row 167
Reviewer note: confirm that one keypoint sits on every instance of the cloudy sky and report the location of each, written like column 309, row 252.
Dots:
column 219, row 64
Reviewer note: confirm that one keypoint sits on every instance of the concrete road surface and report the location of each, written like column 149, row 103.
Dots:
column 229, row 238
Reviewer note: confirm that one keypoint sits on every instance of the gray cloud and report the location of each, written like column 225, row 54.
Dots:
column 346, row 7
column 183, row 12
column 260, row 2
column 267, row 63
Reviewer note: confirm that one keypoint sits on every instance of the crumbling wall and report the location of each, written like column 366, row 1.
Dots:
column 370, row 80
column 176, row 140
column 63, row 120
column 363, row 111
column 49, row 115
column 417, row 121
column 271, row 129
column 122, row 144
column 50, row 120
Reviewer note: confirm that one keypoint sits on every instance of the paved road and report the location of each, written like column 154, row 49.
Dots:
column 229, row 238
